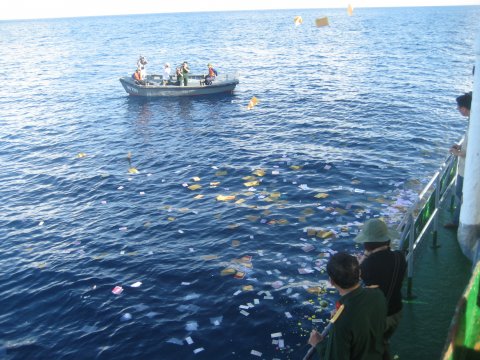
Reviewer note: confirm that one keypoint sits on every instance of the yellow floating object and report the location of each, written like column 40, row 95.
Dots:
column 275, row 195
column 321, row 22
column 225, row 197
column 252, row 183
column 249, row 178
column 195, row 187
column 240, row 201
column 228, row 271
column 133, row 170
column 295, row 167
column 215, row 183
column 350, row 10
column 198, row 197
column 315, row 290
column 321, row 196
column 297, row 20
column 171, row 218
column 253, row 101
column 196, row 178
column 247, row 288
column 221, row 173
column 81, row 155
column 259, row 172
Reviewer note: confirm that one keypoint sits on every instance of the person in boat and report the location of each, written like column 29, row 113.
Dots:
column 185, row 70
column 137, row 76
column 381, row 267
column 142, row 65
column 179, row 74
column 358, row 331
column 464, row 103
column 166, row 74
column 212, row 73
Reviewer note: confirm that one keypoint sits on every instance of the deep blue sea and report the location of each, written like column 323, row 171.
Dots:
column 352, row 120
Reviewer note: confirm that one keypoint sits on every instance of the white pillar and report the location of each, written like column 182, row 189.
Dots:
column 469, row 229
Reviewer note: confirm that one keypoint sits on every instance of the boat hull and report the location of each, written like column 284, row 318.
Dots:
column 155, row 88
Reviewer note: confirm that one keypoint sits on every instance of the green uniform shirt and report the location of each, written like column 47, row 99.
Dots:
column 358, row 332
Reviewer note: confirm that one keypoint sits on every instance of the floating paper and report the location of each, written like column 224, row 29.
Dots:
column 81, row 155
column 256, row 353
column 245, row 313
column 228, row 271
column 209, row 257
column 196, row 351
column 191, row 326
column 276, row 335
column 196, row 178
column 133, row 170
column 225, row 197
column 221, row 173
column 297, row 20
column 253, row 101
column 189, row 340
column 321, row 196
column 247, row 288
column 195, row 187
column 136, row 284
column 321, row 21
column 252, row 183
column 259, row 172
column 117, row 290
column 198, row 197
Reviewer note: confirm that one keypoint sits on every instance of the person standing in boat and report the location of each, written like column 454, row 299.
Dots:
column 185, row 71
column 142, row 65
column 381, row 267
column 212, row 73
column 166, row 74
column 179, row 74
column 464, row 103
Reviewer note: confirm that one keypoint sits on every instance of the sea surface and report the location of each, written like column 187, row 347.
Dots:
column 352, row 120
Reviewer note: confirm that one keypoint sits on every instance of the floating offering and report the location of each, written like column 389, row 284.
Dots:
column 225, row 197
column 81, row 155
column 321, row 22
column 253, row 102
column 133, row 170
column 297, row 20
column 195, row 187
column 117, row 290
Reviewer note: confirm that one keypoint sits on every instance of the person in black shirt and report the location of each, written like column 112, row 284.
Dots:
column 381, row 267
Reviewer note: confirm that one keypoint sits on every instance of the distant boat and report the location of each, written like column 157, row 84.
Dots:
column 154, row 86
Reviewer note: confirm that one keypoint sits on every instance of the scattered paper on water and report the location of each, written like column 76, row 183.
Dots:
column 117, row 290
column 256, row 353
column 276, row 335
column 136, row 284
column 126, row 317
column 133, row 170
column 196, row 351
column 225, row 197
column 189, row 340
column 195, row 187
column 321, row 21
column 175, row 341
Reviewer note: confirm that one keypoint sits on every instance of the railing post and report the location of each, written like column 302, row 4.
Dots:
column 435, row 220
column 411, row 241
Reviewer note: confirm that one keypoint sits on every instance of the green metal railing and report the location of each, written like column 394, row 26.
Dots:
column 422, row 216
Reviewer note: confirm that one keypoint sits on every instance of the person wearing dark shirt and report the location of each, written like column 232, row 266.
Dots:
column 381, row 267
column 357, row 333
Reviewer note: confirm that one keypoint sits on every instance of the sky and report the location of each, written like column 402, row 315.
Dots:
column 32, row 9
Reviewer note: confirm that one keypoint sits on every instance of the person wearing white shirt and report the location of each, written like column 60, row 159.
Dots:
column 166, row 74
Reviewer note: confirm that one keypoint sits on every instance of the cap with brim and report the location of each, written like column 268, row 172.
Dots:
column 375, row 230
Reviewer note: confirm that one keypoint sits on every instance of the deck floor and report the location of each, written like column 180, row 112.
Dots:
column 440, row 277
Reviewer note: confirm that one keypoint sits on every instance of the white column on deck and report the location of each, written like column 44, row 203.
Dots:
column 469, row 229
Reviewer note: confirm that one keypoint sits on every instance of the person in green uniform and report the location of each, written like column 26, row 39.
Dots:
column 185, row 71
column 357, row 334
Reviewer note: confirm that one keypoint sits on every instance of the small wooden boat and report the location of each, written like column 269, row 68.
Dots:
column 154, row 87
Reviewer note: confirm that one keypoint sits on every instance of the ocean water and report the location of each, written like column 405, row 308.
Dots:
column 352, row 120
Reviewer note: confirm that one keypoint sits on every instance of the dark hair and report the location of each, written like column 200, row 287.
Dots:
column 465, row 100
column 369, row 246
column 344, row 270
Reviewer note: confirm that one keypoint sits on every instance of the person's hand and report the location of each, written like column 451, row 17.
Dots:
column 315, row 338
